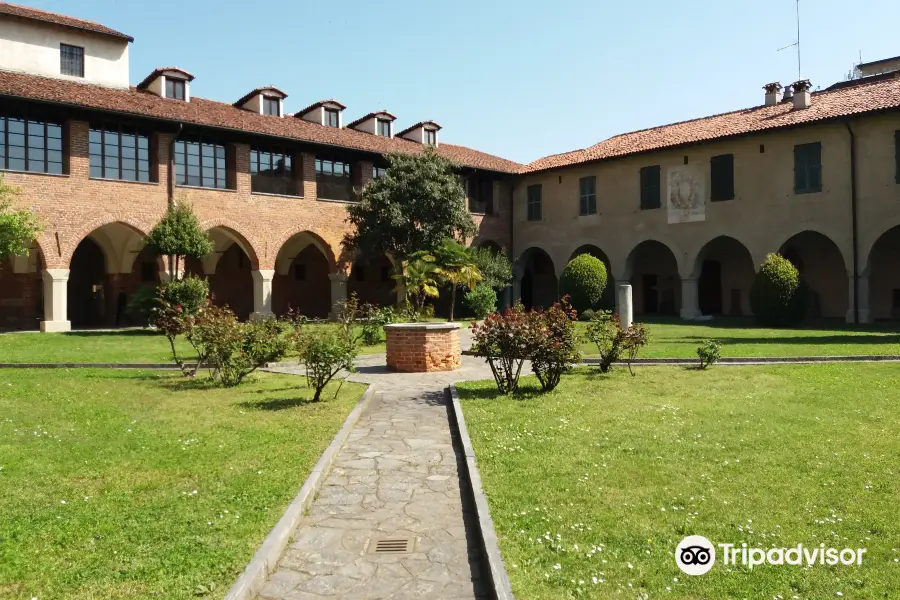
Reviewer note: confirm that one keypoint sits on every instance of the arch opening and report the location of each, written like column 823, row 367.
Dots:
column 822, row 268
column 21, row 291
column 655, row 282
column 372, row 282
column 301, row 281
column 724, row 268
column 106, row 268
column 539, row 286
column 884, row 276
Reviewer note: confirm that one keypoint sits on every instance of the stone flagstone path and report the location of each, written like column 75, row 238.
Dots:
column 395, row 477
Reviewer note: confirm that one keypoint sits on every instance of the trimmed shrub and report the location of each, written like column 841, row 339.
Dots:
column 189, row 293
column 142, row 304
column 481, row 301
column 778, row 297
column 587, row 315
column 583, row 280
column 324, row 350
column 612, row 341
column 506, row 340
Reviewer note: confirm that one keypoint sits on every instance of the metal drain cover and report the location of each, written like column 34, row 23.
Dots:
column 394, row 545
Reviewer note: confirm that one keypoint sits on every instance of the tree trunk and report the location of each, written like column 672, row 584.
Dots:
column 452, row 302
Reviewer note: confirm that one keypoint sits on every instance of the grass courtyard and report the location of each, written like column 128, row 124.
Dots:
column 592, row 486
column 136, row 484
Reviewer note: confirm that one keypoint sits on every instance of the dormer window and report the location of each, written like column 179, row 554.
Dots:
column 431, row 137
column 332, row 117
column 174, row 89
column 424, row 132
column 376, row 123
column 271, row 106
column 384, row 128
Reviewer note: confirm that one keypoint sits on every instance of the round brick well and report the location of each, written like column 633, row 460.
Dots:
column 422, row 347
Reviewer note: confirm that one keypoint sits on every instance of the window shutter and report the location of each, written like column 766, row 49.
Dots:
column 799, row 168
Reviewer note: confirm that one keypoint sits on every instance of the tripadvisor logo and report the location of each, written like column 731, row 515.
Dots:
column 696, row 555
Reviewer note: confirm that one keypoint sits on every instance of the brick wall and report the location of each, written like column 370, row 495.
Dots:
column 422, row 348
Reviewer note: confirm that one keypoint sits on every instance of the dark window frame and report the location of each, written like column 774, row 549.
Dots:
column 480, row 192
column 99, row 154
column 71, row 60
column 587, row 195
column 534, row 202
column 270, row 103
column 219, row 165
column 332, row 114
column 378, row 172
column 176, row 89
column 339, row 186
column 383, row 127
column 39, row 146
column 280, row 182
column 808, row 168
column 721, row 178
column 651, row 187
column 431, row 137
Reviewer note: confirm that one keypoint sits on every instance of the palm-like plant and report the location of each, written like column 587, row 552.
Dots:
column 419, row 281
column 454, row 265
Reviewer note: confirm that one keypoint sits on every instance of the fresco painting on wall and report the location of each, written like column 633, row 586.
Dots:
column 686, row 201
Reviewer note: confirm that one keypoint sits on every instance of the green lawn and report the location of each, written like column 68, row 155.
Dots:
column 127, row 346
column 603, row 477
column 133, row 484
column 671, row 338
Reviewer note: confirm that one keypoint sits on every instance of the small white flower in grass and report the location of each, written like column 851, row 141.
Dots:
column 62, row 501
column 838, row 594
column 668, row 588
column 675, row 579
column 209, row 522
column 594, row 580
column 557, row 566
column 581, row 582
column 85, row 498
column 630, row 566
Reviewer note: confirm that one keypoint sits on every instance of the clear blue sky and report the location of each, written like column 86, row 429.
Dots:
column 517, row 78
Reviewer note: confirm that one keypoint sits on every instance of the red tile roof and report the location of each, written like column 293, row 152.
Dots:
column 860, row 98
column 24, row 12
column 200, row 111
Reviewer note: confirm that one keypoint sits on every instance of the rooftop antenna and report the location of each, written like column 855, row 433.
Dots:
column 797, row 43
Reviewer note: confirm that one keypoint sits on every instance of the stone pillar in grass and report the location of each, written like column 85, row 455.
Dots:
column 56, row 306
column 690, row 303
column 862, row 288
column 624, row 305
column 338, row 293
column 262, row 292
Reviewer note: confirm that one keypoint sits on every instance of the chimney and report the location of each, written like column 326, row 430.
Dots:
column 788, row 94
column 773, row 93
column 802, row 98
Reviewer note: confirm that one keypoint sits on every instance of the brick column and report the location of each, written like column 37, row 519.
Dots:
column 422, row 347
column 56, row 317
column 308, row 175
column 262, row 292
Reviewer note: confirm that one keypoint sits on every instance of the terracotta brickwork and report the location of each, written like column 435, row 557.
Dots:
column 419, row 348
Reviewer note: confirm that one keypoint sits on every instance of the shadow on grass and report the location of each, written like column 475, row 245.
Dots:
column 750, row 323
column 803, row 339
column 526, row 391
column 275, row 404
column 115, row 333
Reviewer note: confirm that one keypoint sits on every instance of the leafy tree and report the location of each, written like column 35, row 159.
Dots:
column 417, row 204
column 18, row 228
column 419, row 279
column 778, row 296
column 453, row 265
column 325, row 350
column 481, row 301
column 494, row 266
column 557, row 348
column 178, row 235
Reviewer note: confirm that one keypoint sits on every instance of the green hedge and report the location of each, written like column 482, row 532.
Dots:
column 583, row 280
column 778, row 296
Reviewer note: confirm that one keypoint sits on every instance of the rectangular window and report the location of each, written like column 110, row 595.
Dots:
column 897, row 153
column 71, row 60
column 534, row 203
column 431, row 137
column 272, row 172
column 481, row 195
column 200, row 163
column 378, row 172
column 332, row 117
column 30, row 145
column 650, row 187
column 333, row 179
column 587, row 204
column 384, row 128
column 118, row 152
column 721, row 177
column 174, row 89
column 270, row 106
column 808, row 168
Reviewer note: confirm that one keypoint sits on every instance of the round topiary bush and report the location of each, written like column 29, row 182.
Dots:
column 190, row 293
column 481, row 301
column 583, row 280
column 777, row 296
